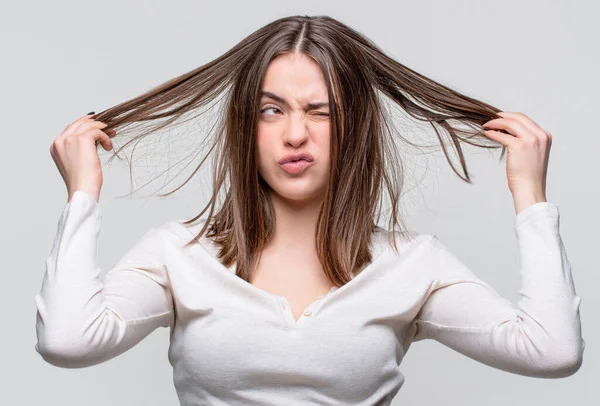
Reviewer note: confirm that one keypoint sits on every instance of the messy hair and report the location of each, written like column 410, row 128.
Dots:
column 360, row 80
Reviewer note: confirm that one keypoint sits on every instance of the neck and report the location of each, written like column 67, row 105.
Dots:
column 295, row 225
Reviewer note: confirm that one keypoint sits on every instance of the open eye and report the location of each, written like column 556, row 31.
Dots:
column 269, row 108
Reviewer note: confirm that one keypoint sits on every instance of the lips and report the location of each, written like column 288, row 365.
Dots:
column 296, row 157
column 296, row 167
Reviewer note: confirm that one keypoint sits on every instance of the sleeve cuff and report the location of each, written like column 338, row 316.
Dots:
column 535, row 210
column 81, row 197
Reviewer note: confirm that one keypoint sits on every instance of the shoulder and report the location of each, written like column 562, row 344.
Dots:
column 405, row 241
column 177, row 229
column 424, row 251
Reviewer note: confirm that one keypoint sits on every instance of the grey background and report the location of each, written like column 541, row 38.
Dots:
column 63, row 59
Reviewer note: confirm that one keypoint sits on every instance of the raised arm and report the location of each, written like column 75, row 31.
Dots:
column 541, row 336
column 82, row 321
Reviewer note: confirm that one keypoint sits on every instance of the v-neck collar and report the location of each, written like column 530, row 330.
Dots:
column 283, row 305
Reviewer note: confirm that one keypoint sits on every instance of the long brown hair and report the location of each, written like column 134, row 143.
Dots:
column 360, row 78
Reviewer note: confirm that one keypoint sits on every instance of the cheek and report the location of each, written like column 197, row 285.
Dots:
column 323, row 141
column 260, row 139
column 262, row 148
column 264, row 136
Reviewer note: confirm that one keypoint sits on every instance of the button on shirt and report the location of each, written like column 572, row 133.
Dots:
column 235, row 344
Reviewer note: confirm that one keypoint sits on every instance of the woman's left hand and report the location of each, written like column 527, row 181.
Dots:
column 528, row 150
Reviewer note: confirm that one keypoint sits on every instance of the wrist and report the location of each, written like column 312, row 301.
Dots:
column 93, row 192
column 522, row 201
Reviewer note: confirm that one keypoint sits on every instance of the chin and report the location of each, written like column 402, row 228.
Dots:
column 295, row 191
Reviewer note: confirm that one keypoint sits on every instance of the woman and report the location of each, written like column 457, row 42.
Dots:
column 290, row 293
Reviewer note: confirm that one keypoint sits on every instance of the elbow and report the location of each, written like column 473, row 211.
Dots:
column 75, row 344
column 567, row 369
column 63, row 353
column 566, row 364
column 575, row 361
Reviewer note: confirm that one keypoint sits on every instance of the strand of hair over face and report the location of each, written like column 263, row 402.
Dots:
column 362, row 82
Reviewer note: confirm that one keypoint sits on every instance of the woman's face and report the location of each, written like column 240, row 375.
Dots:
column 287, row 125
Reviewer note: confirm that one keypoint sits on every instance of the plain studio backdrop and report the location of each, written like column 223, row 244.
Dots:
column 63, row 59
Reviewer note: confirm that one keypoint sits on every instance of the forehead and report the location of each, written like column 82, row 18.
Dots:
column 296, row 76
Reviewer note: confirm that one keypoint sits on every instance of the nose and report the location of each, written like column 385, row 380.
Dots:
column 296, row 132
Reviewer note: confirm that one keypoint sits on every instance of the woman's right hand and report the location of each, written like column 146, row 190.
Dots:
column 75, row 154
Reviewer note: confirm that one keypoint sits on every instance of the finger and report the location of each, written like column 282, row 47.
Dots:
column 71, row 127
column 83, row 126
column 500, row 137
column 512, row 126
column 526, row 121
column 100, row 137
column 88, row 124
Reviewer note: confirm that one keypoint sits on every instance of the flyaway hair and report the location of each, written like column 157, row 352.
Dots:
column 360, row 79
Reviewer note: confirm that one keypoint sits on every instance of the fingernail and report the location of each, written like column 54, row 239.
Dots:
column 91, row 112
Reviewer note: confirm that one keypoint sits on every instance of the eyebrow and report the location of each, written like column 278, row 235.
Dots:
column 279, row 99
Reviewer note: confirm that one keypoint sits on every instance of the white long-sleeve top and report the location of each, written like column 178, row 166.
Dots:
column 233, row 343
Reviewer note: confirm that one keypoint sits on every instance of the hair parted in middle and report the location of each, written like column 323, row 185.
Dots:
column 360, row 79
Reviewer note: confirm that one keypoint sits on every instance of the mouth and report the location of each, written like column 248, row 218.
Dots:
column 296, row 157
column 296, row 167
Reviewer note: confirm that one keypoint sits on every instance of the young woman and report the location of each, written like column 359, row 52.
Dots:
column 290, row 293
